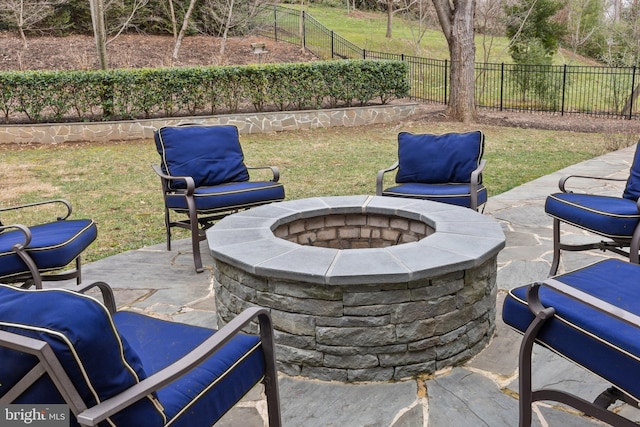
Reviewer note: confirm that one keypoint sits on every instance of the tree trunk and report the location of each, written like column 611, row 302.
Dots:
column 183, row 29
column 457, row 25
column 99, row 31
column 227, row 25
column 389, row 18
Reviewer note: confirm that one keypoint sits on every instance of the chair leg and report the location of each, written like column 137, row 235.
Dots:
column 556, row 247
column 78, row 271
column 167, row 226
column 195, row 235
column 271, row 371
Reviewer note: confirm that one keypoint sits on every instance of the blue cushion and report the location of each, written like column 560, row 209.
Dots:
column 632, row 189
column 53, row 245
column 99, row 361
column 211, row 155
column 455, row 194
column 217, row 388
column 612, row 217
column 433, row 159
column 230, row 196
column 604, row 345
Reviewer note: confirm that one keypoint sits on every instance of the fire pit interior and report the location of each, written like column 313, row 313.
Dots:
column 362, row 288
column 353, row 231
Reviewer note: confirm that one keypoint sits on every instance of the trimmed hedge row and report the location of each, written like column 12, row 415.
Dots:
column 60, row 96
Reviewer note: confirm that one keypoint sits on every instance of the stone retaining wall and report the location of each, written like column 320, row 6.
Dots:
column 55, row 133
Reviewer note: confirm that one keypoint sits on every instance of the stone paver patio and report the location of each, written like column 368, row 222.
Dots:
column 481, row 392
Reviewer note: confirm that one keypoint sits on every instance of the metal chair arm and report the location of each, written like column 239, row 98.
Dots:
column 275, row 172
column 109, row 300
column 43, row 202
column 533, row 299
column 191, row 185
column 23, row 229
column 98, row 413
column 380, row 177
column 563, row 180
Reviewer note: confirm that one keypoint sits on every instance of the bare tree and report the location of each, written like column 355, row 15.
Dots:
column 231, row 15
column 419, row 18
column 125, row 22
column 456, row 21
column 183, row 29
column 99, row 31
column 489, row 23
column 26, row 13
column 393, row 7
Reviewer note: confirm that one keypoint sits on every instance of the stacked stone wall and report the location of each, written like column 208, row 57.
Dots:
column 375, row 332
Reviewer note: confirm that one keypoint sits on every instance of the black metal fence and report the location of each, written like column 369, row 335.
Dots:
column 561, row 89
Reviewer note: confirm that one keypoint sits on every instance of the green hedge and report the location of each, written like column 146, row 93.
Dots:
column 62, row 96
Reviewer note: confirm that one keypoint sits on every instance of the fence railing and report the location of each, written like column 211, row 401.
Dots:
column 561, row 89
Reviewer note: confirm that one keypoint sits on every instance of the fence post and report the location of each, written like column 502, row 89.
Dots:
column 564, row 85
column 332, row 42
column 446, row 81
column 275, row 22
column 501, row 84
column 304, row 30
column 633, row 88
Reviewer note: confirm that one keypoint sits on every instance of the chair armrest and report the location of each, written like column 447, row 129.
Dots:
column 22, row 228
column 477, row 173
column 191, row 185
column 536, row 307
column 100, row 412
column 380, row 177
column 107, row 294
column 563, row 180
column 63, row 202
column 275, row 172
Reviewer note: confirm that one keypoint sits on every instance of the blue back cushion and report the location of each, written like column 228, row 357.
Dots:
column 79, row 329
column 211, row 155
column 434, row 159
column 632, row 190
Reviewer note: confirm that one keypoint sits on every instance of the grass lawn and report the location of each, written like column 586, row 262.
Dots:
column 115, row 185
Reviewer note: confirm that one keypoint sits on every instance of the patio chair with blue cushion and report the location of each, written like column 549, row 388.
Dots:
column 591, row 317
column 444, row 168
column 616, row 218
column 204, row 177
column 121, row 368
column 32, row 254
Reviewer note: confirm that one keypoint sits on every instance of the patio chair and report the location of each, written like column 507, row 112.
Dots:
column 121, row 368
column 204, row 176
column 443, row 168
column 591, row 317
column 39, row 253
column 615, row 218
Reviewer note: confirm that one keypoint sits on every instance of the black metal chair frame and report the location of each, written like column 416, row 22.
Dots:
column 50, row 365
column 197, row 223
column 35, row 275
column 597, row 408
column 616, row 246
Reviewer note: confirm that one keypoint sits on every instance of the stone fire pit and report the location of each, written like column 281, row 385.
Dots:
column 362, row 288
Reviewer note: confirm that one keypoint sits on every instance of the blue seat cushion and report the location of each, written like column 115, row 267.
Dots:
column 211, row 155
column 433, row 159
column 53, row 245
column 205, row 394
column 604, row 345
column 80, row 331
column 229, row 196
column 613, row 217
column 455, row 194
